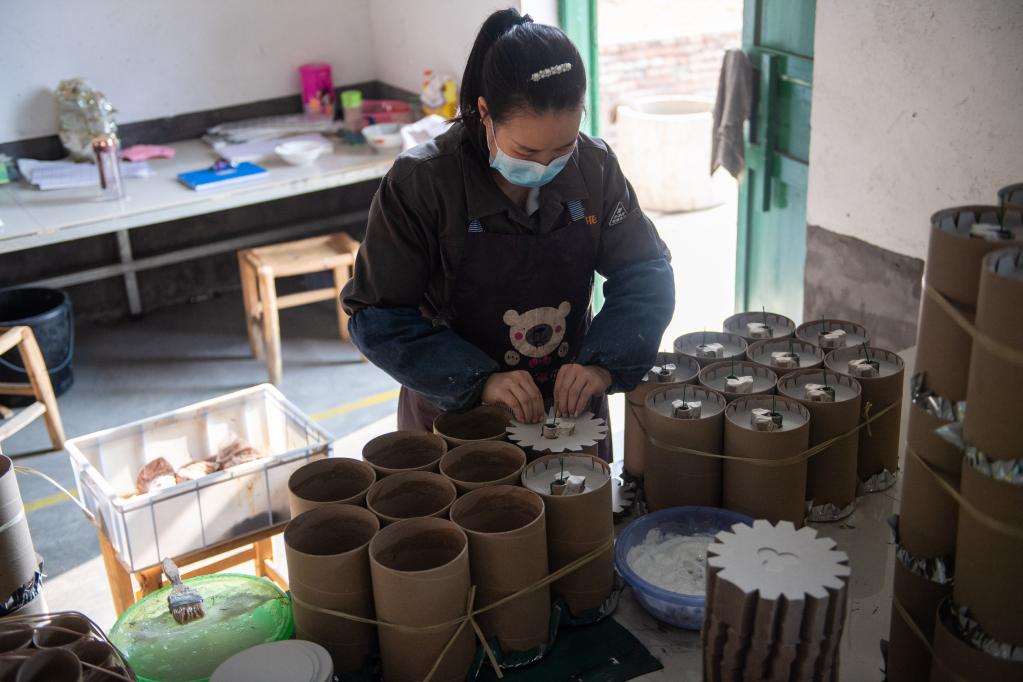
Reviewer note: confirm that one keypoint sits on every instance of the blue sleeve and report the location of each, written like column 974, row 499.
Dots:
column 639, row 301
column 431, row 360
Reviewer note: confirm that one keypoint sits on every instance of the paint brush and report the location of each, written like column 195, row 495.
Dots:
column 185, row 604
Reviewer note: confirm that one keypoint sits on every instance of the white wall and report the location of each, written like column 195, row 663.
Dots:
column 410, row 36
column 158, row 58
column 917, row 105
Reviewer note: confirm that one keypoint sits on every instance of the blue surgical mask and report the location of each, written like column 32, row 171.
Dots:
column 526, row 173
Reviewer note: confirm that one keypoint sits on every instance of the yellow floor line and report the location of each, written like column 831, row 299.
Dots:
column 345, row 408
column 43, row 502
column 337, row 411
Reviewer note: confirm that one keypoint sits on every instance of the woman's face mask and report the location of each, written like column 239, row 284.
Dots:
column 523, row 172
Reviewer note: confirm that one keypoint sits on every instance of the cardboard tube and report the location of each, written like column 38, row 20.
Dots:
column 14, row 636
column 410, row 494
column 810, row 355
column 965, row 661
column 483, row 463
column 943, row 350
column 93, row 651
column 879, row 443
column 576, row 526
column 928, row 516
column 992, row 421
column 686, row 371
column 831, row 476
column 908, row 658
column 988, row 563
column 420, row 570
column 329, row 481
column 715, row 377
column 328, row 566
column 734, row 346
column 855, row 333
column 400, row 451
column 18, row 563
column 62, row 631
column 773, row 493
column 507, row 532
column 52, row 665
column 954, row 257
column 677, row 479
column 485, row 422
column 781, row 326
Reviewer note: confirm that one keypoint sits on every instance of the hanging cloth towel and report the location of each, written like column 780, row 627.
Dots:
column 731, row 109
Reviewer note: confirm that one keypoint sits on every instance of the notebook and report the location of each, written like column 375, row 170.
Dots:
column 206, row 179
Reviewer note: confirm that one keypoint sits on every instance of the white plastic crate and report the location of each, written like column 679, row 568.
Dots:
column 197, row 514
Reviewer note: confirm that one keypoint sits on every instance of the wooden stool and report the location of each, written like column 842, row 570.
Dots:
column 39, row 386
column 260, row 266
column 256, row 547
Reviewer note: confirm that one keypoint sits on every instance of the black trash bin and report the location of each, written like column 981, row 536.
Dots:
column 48, row 313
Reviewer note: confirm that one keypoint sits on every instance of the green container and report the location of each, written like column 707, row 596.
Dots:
column 241, row 612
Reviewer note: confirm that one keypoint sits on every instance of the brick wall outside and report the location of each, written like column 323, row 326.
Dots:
column 685, row 65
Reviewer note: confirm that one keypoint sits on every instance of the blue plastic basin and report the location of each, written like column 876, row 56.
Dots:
column 673, row 608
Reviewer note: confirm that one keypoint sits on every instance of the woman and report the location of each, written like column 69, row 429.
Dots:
column 474, row 280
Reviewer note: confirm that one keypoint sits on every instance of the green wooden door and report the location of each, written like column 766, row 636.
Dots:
column 778, row 37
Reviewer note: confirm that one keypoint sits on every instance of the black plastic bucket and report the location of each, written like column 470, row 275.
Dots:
column 48, row 313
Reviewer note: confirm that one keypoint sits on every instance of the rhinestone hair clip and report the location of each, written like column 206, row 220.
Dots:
column 551, row 71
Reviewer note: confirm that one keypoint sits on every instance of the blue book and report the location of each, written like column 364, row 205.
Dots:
column 207, row 178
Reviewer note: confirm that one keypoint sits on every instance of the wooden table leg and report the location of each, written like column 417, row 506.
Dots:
column 250, row 299
column 340, row 279
column 271, row 324
column 262, row 552
column 35, row 366
column 150, row 580
column 119, row 578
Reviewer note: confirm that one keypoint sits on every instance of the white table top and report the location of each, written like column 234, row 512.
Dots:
column 30, row 217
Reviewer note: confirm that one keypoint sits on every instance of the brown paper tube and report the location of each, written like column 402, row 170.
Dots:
column 992, row 422
column 734, row 346
column 928, row 516
column 483, row 463
column 328, row 566
column 831, row 477
column 956, row 660
column 52, row 665
column 507, row 533
column 93, row 652
column 810, row 355
column 855, row 333
column 577, row 525
column 328, row 481
column 781, row 326
column 678, row 479
column 9, row 664
column 879, row 441
column 410, row 494
column 1010, row 197
column 62, row 631
column 485, row 422
column 908, row 658
column 14, row 636
column 989, row 564
column 943, row 350
column 686, row 371
column 716, row 377
column 773, row 493
column 954, row 257
column 420, row 571
column 18, row 562
column 404, row 451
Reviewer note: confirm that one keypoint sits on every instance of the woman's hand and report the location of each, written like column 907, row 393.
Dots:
column 576, row 385
column 518, row 392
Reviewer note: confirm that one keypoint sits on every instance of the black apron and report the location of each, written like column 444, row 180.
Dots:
column 524, row 300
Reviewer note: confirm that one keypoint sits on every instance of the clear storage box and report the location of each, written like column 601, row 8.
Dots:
column 216, row 508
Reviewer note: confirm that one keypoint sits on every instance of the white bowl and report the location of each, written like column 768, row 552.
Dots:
column 383, row 135
column 301, row 152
